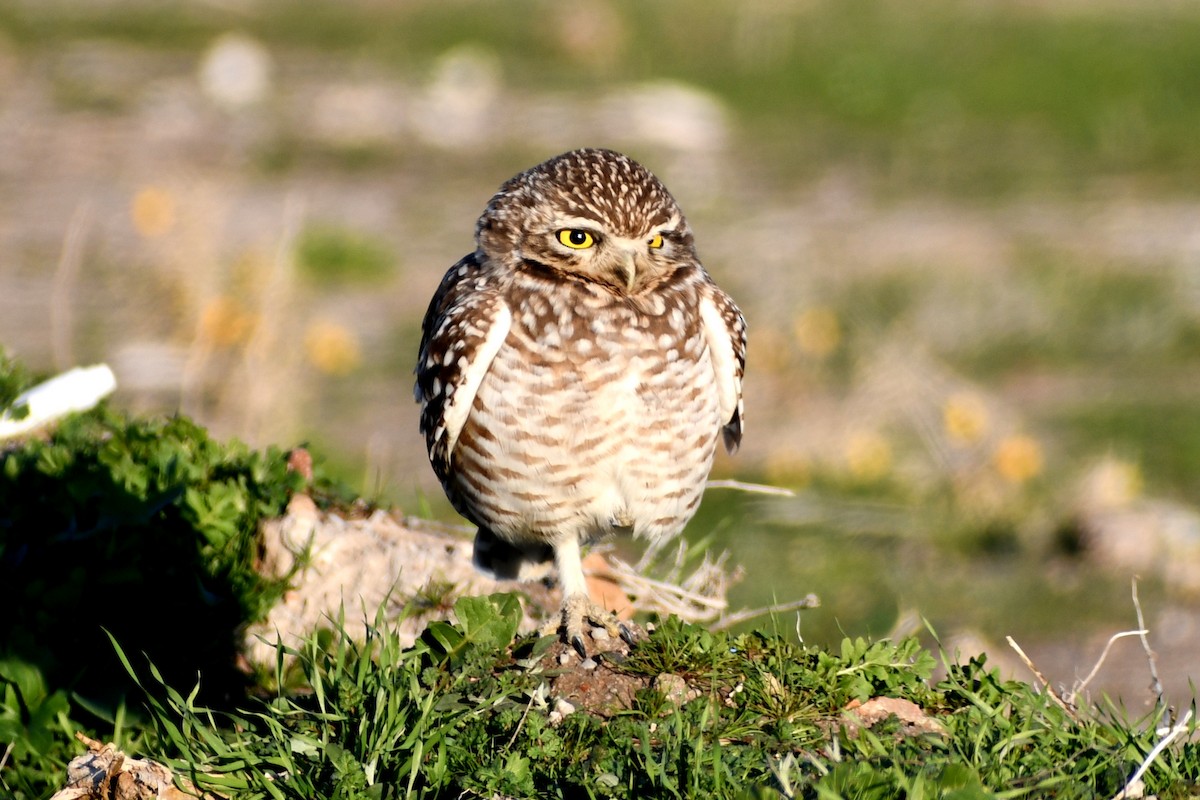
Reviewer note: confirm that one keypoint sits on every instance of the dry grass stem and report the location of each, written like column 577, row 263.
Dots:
column 751, row 488
column 265, row 363
column 1151, row 659
column 1082, row 685
column 1042, row 679
column 437, row 526
column 66, row 275
column 699, row 598
column 737, row 617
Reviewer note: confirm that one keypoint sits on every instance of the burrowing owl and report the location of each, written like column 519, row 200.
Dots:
column 576, row 370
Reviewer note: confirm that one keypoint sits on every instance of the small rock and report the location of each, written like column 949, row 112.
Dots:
column 564, row 658
column 561, row 709
column 236, row 71
column 588, row 663
column 600, row 635
column 913, row 719
column 674, row 688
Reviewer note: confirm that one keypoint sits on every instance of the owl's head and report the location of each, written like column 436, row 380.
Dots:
column 593, row 214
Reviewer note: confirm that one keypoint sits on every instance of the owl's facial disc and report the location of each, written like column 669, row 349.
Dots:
column 624, row 262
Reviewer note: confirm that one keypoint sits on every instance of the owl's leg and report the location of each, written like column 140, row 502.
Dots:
column 577, row 606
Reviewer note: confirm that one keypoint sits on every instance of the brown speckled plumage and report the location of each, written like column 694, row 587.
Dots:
column 570, row 393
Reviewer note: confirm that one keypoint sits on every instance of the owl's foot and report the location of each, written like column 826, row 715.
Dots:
column 578, row 609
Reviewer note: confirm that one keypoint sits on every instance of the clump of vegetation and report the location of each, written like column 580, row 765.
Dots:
column 142, row 528
column 468, row 711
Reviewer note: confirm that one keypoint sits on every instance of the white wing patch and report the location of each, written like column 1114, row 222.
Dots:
column 724, row 336
column 458, row 404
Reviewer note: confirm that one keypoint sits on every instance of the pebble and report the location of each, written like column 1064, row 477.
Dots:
column 561, row 709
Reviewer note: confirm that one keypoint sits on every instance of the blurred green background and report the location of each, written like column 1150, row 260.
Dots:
column 966, row 236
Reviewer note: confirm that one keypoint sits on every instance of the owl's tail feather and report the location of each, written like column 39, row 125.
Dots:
column 507, row 561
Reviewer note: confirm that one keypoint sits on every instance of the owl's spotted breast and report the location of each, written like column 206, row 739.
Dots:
column 611, row 416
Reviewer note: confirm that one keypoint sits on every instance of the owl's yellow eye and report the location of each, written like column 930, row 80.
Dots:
column 576, row 239
column 656, row 241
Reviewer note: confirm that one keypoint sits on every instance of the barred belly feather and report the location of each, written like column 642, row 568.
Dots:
column 601, row 433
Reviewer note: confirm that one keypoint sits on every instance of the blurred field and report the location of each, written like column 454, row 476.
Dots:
column 966, row 236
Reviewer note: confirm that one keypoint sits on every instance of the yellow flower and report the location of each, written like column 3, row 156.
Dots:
column 1114, row 483
column 965, row 417
column 224, row 321
column 332, row 348
column 818, row 332
column 152, row 211
column 1018, row 458
column 868, row 456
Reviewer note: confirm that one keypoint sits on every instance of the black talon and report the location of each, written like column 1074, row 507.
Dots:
column 626, row 635
column 577, row 643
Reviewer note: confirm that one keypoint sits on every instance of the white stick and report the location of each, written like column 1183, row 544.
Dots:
column 75, row 390
column 1131, row 788
column 751, row 488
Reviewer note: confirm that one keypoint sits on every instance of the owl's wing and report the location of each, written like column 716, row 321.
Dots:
column 464, row 327
column 725, row 332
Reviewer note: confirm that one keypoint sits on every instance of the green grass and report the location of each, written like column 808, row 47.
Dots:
column 1119, row 319
column 1162, row 436
column 466, row 710
column 333, row 255
column 14, row 379
column 1056, row 313
column 120, row 521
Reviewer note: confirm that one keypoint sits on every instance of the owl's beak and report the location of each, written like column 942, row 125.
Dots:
column 628, row 268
